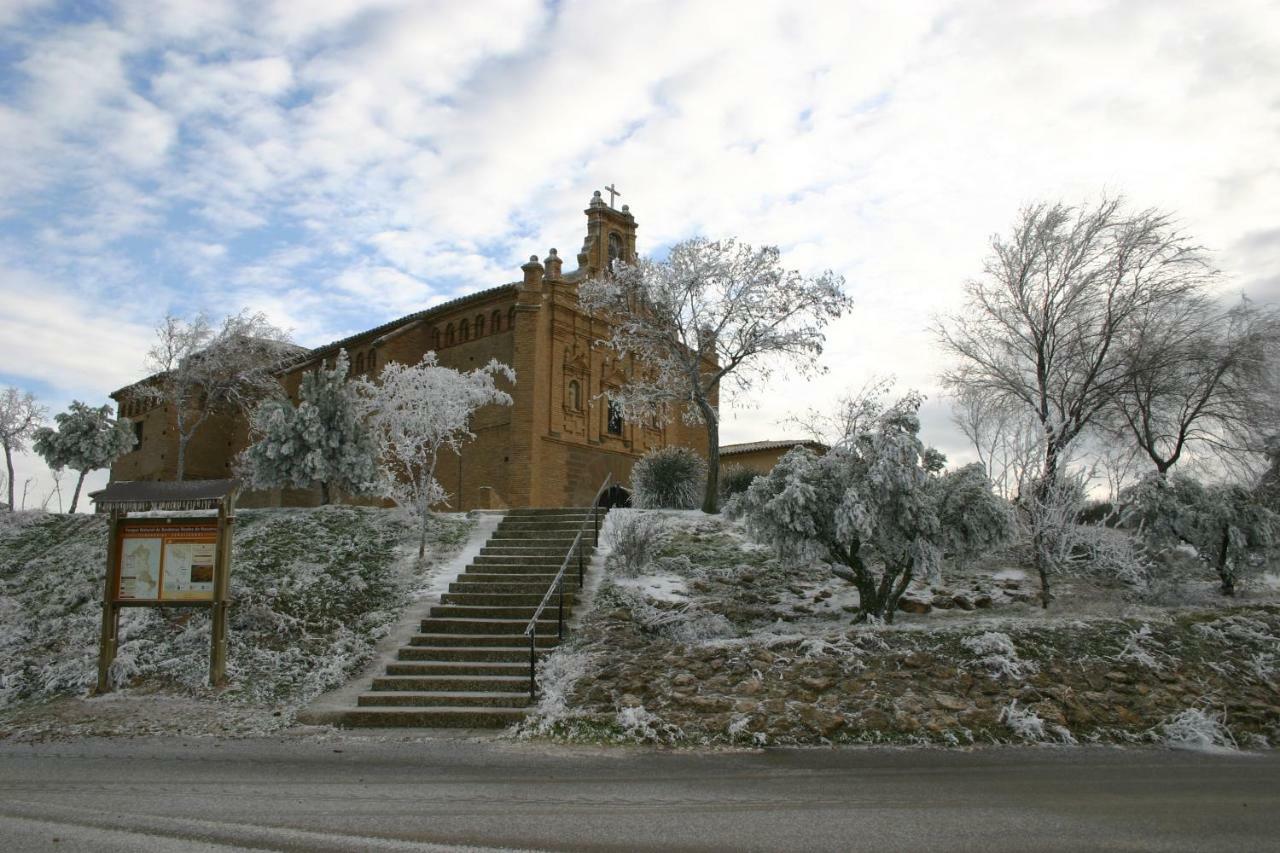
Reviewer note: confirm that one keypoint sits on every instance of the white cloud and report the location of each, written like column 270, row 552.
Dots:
column 427, row 148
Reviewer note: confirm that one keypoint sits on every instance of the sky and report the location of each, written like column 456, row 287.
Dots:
column 338, row 164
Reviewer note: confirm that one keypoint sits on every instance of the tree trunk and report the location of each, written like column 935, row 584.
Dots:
column 1044, row 490
column 182, row 456
column 711, row 498
column 75, row 496
column 1228, row 580
column 325, row 495
column 422, row 532
column 8, row 461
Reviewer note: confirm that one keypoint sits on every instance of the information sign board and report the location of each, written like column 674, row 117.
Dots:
column 167, row 562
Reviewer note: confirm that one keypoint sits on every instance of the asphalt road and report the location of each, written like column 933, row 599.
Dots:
column 204, row 794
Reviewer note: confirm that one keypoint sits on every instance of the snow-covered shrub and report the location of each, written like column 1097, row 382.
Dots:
column 86, row 439
column 998, row 655
column 668, row 478
column 634, row 538
column 643, row 726
column 1195, row 729
column 1139, row 647
column 974, row 519
column 1226, row 524
column 1023, row 722
column 558, row 672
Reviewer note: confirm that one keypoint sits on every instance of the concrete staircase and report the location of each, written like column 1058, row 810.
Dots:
column 469, row 666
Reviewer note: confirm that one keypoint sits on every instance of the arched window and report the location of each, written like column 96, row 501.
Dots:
column 464, row 330
column 614, row 425
column 373, row 361
column 575, row 396
column 511, row 317
column 359, row 362
column 448, row 335
column 435, row 338
column 496, row 319
column 479, row 325
column 615, row 247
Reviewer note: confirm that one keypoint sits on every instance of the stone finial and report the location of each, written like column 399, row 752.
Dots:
column 532, row 272
column 553, row 264
column 596, row 200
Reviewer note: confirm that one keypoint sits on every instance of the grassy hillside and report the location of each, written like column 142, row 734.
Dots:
column 313, row 591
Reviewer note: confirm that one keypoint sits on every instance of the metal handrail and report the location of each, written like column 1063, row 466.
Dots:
column 557, row 586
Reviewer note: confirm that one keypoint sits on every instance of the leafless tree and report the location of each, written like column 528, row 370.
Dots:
column 1046, row 327
column 199, row 371
column 712, row 313
column 1006, row 437
column 1199, row 376
column 20, row 415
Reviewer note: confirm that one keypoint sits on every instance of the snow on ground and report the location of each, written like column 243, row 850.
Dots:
column 313, row 591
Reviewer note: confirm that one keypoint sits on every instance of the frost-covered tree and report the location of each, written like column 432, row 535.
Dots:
column 712, row 313
column 416, row 412
column 1226, row 524
column 870, row 503
column 1046, row 326
column 324, row 439
column 20, row 415
column 199, row 371
column 974, row 519
column 1199, row 376
column 86, row 439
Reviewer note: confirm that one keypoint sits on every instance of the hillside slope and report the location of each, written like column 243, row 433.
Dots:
column 313, row 591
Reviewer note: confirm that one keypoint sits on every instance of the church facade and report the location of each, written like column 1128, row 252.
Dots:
column 552, row 447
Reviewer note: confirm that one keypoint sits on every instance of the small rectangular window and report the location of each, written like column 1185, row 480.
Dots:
column 137, row 434
column 615, row 418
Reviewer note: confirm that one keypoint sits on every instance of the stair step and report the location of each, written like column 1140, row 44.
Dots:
column 547, row 562
column 449, row 625
column 421, row 698
column 433, row 638
column 461, row 667
column 487, row 611
column 521, row 552
column 468, row 654
column 456, row 683
column 442, row 717
column 498, row 599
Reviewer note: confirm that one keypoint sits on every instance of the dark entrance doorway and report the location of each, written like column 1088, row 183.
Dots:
column 615, row 496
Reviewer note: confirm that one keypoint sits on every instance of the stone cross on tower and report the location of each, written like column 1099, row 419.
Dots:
column 613, row 193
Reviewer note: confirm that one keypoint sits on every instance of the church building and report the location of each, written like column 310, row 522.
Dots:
column 553, row 447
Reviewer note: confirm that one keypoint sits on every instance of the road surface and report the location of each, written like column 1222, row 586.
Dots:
column 389, row 794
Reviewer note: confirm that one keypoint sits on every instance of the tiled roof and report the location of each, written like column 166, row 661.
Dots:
column 750, row 446
column 325, row 350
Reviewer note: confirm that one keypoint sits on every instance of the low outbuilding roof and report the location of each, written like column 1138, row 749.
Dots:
column 143, row 495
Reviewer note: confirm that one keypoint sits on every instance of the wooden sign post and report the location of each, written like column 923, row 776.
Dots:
column 167, row 556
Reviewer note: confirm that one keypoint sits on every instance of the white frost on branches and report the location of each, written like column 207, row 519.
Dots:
column 20, row 415
column 323, row 440
column 85, row 440
column 199, row 371
column 415, row 412
column 713, row 311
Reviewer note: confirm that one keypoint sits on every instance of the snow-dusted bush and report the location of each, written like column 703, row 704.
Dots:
column 1195, row 729
column 634, row 538
column 998, row 655
column 974, row 519
column 1227, row 525
column 668, row 478
column 1023, row 722
column 643, row 726
column 870, row 503
column 558, row 672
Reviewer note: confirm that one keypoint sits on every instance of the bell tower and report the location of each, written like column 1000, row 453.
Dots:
column 611, row 235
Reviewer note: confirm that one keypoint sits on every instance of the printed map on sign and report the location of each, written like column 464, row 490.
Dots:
column 188, row 570
column 140, row 568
